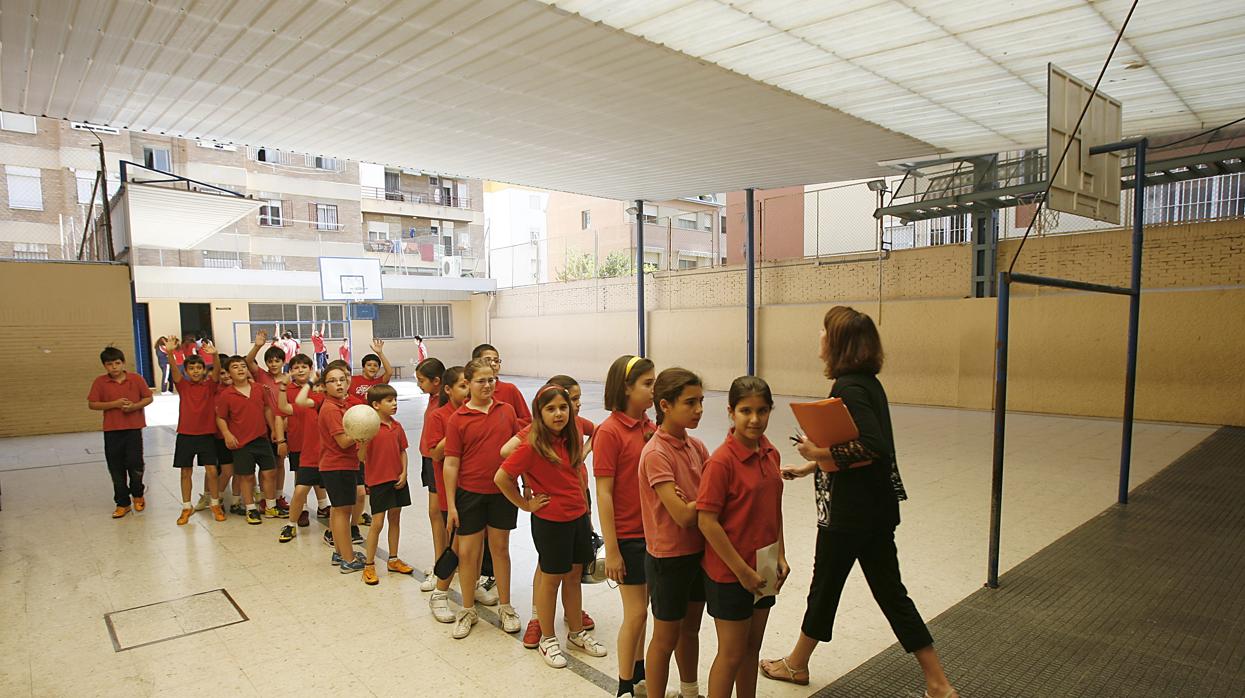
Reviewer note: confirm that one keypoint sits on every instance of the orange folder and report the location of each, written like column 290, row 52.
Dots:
column 827, row 423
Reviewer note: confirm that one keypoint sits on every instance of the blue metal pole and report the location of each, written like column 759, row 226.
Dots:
column 750, row 259
column 639, row 276
column 1134, row 316
column 1000, row 424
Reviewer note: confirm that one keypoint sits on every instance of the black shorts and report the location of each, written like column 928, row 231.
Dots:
column 731, row 601
column 633, row 552
column 189, row 447
column 386, row 496
column 294, row 458
column 673, row 583
column 426, row 475
column 341, row 486
column 223, row 455
column 252, row 454
column 475, row 511
column 308, row 477
column 562, row 544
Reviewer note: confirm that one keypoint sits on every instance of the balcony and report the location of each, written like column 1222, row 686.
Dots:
column 430, row 203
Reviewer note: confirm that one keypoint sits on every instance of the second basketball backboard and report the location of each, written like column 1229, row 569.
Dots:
column 1086, row 185
column 350, row 279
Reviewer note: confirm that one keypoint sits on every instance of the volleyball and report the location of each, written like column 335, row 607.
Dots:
column 361, row 422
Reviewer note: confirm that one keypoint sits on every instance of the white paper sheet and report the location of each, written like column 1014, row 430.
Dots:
column 767, row 567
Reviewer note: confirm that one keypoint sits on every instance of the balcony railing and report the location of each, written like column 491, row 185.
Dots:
column 432, row 196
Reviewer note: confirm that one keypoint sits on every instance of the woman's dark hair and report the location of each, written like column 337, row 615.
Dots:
column 111, row 354
column 452, row 375
column 300, row 359
column 542, row 439
column 430, row 368
column 852, row 343
column 748, row 386
column 669, row 386
column 618, row 379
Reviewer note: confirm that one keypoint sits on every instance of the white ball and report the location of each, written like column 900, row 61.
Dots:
column 361, row 422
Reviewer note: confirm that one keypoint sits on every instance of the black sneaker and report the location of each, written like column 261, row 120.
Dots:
column 322, row 513
column 237, row 508
column 328, row 538
column 253, row 518
column 304, row 519
column 365, row 519
column 355, row 536
column 287, row 534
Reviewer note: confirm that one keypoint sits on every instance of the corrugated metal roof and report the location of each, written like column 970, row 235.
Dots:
column 630, row 100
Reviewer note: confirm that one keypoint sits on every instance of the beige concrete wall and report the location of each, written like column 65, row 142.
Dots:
column 54, row 321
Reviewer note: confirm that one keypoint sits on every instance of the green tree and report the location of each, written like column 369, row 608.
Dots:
column 578, row 266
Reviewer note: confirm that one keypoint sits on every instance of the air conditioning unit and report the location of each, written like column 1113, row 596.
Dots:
column 452, row 266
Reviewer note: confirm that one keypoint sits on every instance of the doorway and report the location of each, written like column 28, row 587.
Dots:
column 197, row 320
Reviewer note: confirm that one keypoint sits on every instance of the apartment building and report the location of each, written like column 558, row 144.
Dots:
column 538, row 236
column 261, row 270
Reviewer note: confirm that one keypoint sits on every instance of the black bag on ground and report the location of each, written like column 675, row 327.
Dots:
column 448, row 562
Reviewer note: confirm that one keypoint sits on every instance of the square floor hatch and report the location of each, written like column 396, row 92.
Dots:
column 170, row 620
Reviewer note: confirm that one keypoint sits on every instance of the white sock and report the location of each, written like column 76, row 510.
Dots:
column 215, row 502
column 689, row 690
column 272, row 503
column 250, row 507
column 187, row 505
column 324, row 503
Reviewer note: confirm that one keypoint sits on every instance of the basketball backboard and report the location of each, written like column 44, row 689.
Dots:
column 1085, row 185
column 350, row 279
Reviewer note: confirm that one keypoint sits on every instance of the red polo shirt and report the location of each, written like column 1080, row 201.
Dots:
column 357, row 395
column 317, row 343
column 616, row 447
column 509, row 394
column 476, row 438
column 585, row 430
column 196, row 406
column 309, row 457
column 434, row 431
column 745, row 488
column 329, row 423
column 295, row 424
column 243, row 414
column 384, row 454
column 131, row 386
column 558, row 480
column 667, row 458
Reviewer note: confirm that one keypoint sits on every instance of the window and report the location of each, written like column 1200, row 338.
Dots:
column 535, row 235
column 688, row 264
column 325, row 216
column 377, row 231
column 86, row 185
column 533, row 202
column 272, row 263
column 323, row 163
column 214, row 259
column 585, row 219
column 32, row 251
column 405, row 321
column 157, row 158
column 25, row 188
column 266, row 316
column 17, row 122
column 270, row 214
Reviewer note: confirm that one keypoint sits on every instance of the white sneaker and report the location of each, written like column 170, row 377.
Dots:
column 486, row 591
column 203, row 503
column 439, row 602
column 463, row 622
column 430, row 581
column 586, row 643
column 509, row 618
column 551, row 652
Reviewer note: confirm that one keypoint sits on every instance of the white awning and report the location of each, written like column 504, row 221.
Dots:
column 198, row 216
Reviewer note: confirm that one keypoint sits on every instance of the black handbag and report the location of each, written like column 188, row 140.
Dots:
column 447, row 562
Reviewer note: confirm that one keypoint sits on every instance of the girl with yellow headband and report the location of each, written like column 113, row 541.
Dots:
column 616, row 461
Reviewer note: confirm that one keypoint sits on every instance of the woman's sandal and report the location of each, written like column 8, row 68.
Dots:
column 951, row 693
column 780, row 670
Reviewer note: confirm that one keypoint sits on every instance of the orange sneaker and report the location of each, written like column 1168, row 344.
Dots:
column 181, row 520
column 120, row 511
column 218, row 512
column 139, row 504
column 397, row 565
column 369, row 575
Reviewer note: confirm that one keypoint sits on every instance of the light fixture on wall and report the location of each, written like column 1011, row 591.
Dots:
column 877, row 185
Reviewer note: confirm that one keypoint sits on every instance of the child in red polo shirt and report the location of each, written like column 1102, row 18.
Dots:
column 245, row 417
column 616, row 462
column 670, row 468
column 385, row 473
column 300, row 405
column 339, row 469
column 121, row 396
column 196, row 431
column 505, row 392
column 272, row 483
column 531, row 635
column 549, row 460
column 317, row 345
column 475, row 434
column 455, row 391
column 376, row 370
column 428, row 373
column 739, row 507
